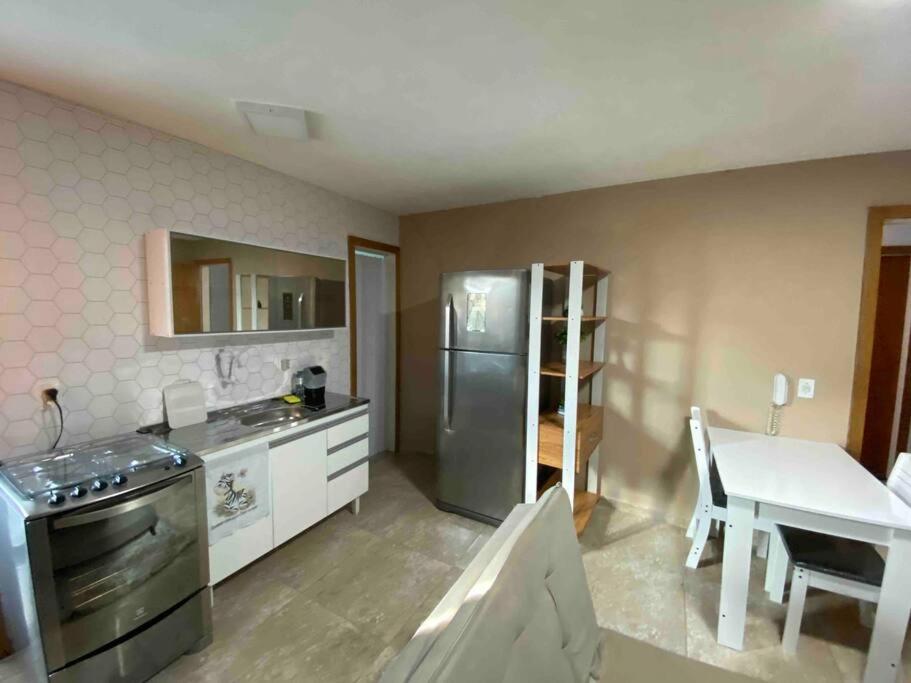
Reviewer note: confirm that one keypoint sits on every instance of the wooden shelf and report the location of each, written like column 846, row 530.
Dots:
column 589, row 430
column 589, row 272
column 583, row 503
column 582, row 290
column 583, row 507
column 585, row 318
column 556, row 368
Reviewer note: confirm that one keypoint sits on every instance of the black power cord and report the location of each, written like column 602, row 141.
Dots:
column 60, row 433
column 50, row 396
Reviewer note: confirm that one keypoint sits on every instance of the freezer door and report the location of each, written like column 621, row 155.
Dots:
column 484, row 311
column 481, row 432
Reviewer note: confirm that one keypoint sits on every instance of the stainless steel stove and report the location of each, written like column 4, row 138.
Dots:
column 104, row 548
column 88, row 473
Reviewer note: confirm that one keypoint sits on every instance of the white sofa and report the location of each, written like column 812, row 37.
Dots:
column 522, row 613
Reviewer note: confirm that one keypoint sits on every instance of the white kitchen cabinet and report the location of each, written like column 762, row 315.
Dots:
column 310, row 478
column 348, row 430
column 348, row 486
column 240, row 549
column 346, row 456
column 247, row 465
column 299, row 479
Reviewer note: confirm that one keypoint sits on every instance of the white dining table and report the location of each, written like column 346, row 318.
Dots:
column 816, row 486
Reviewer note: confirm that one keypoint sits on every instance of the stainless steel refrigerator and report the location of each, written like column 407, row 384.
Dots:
column 483, row 383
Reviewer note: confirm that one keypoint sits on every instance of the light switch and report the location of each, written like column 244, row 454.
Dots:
column 806, row 388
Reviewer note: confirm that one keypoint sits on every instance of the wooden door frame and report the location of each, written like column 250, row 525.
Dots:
column 863, row 355
column 354, row 243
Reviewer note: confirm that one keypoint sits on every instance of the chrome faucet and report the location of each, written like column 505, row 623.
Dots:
column 226, row 374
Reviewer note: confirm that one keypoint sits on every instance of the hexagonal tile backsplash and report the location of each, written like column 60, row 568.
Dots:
column 78, row 190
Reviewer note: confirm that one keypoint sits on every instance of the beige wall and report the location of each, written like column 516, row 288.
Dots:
column 719, row 281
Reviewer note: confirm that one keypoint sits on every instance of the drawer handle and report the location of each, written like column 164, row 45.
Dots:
column 348, row 468
column 293, row 437
column 345, row 444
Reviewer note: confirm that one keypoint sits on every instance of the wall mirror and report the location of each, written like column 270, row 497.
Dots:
column 201, row 285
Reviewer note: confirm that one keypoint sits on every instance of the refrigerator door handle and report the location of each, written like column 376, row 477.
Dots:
column 447, row 390
column 447, row 325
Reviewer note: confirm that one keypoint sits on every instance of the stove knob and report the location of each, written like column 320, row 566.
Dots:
column 99, row 485
column 179, row 460
column 77, row 492
column 56, row 498
column 119, row 479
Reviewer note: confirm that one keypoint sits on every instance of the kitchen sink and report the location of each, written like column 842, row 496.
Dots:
column 249, row 408
column 276, row 416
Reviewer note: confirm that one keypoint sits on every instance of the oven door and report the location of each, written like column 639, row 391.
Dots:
column 110, row 569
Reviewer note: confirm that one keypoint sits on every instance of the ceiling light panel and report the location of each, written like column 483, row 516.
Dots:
column 275, row 120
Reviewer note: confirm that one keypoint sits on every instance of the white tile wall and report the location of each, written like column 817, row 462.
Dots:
column 78, row 190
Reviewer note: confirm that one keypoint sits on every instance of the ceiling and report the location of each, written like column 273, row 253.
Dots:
column 430, row 104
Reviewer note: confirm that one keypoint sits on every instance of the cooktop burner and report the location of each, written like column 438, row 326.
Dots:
column 93, row 464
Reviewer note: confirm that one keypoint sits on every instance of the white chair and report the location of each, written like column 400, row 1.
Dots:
column 711, row 502
column 702, row 452
column 711, row 510
column 838, row 565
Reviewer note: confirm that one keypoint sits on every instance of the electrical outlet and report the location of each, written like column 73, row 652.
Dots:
column 41, row 389
column 286, row 364
column 806, row 388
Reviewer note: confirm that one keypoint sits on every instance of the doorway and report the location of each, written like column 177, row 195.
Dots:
column 373, row 282
column 881, row 401
column 217, row 295
column 203, row 292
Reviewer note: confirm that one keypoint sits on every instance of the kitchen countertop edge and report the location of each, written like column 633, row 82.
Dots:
column 224, row 430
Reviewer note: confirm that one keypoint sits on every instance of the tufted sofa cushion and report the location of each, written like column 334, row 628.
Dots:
column 521, row 612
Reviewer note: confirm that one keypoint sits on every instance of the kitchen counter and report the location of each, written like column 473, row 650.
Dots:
column 224, row 428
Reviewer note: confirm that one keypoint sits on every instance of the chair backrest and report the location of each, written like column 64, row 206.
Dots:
column 702, row 417
column 701, row 454
column 900, row 478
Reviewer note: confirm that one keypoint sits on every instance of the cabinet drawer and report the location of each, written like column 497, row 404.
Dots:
column 348, row 430
column 348, row 455
column 346, row 487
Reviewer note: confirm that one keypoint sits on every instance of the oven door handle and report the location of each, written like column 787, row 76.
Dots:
column 117, row 510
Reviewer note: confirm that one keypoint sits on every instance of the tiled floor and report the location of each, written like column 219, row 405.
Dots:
column 339, row 601
column 336, row 603
column 641, row 589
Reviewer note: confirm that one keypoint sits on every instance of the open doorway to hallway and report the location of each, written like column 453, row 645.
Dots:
column 880, row 421
column 373, row 277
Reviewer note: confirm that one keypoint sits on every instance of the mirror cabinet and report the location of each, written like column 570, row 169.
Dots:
column 200, row 285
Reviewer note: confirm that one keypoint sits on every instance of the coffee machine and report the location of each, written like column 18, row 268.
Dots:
column 310, row 386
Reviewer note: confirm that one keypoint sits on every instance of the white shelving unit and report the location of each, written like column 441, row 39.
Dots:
column 571, row 443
